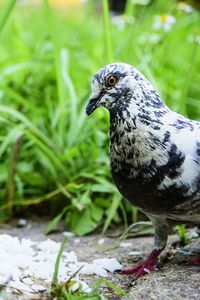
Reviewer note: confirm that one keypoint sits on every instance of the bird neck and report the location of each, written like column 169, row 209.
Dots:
column 138, row 118
column 142, row 103
column 135, row 138
column 136, row 127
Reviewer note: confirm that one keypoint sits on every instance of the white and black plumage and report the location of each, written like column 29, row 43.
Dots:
column 154, row 152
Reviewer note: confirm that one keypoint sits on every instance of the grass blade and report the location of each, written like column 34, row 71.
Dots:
column 70, row 93
column 51, row 226
column 11, row 181
column 56, row 163
column 20, row 117
column 57, row 263
column 6, row 13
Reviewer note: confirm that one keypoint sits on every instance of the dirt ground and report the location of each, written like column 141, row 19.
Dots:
column 174, row 281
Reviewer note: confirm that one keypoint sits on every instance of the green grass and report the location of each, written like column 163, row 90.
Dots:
column 63, row 290
column 182, row 234
column 52, row 155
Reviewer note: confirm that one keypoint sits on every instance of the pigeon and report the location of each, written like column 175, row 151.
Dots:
column 154, row 154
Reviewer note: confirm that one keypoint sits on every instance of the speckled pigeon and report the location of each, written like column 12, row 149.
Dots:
column 154, row 153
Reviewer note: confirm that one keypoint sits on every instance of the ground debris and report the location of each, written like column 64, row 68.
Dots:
column 174, row 281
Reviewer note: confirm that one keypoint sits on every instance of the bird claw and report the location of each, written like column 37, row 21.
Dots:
column 193, row 262
column 145, row 267
column 141, row 269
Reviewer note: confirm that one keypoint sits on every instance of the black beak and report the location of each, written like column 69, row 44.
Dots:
column 93, row 103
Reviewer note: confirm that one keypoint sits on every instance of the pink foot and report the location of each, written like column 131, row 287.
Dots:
column 145, row 267
column 194, row 262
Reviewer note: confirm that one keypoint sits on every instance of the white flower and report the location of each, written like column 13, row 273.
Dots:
column 192, row 38
column 141, row 2
column 152, row 38
column 1, row 94
column 122, row 21
column 197, row 39
column 164, row 22
column 185, row 7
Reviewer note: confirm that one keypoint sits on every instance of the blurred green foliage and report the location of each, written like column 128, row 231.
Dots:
column 49, row 150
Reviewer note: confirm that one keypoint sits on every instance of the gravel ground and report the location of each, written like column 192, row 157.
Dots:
column 174, row 281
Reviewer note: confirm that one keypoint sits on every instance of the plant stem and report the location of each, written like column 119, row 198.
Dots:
column 108, row 39
column 12, row 173
column 134, row 214
column 6, row 13
column 58, row 55
column 129, row 9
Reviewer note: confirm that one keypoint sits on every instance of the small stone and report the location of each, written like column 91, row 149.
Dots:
column 68, row 234
column 135, row 253
column 125, row 244
column 38, row 288
column 101, row 241
column 77, row 241
column 22, row 223
column 147, row 271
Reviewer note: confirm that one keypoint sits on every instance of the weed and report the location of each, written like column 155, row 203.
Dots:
column 47, row 59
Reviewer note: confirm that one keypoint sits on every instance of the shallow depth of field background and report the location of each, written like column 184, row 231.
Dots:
column 54, row 159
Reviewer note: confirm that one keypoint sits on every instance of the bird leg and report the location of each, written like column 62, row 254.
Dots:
column 150, row 264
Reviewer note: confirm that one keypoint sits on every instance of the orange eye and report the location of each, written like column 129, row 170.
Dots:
column 111, row 81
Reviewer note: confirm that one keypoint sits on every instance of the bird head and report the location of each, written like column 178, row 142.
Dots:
column 111, row 86
column 120, row 87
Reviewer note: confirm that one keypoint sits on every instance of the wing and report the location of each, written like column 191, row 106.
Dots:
column 186, row 136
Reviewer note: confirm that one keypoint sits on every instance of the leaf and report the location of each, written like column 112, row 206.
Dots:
column 26, row 122
column 97, row 212
column 114, row 206
column 113, row 286
column 100, row 188
column 107, row 184
column 102, row 202
column 85, row 199
column 52, row 225
column 11, row 136
column 83, row 222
